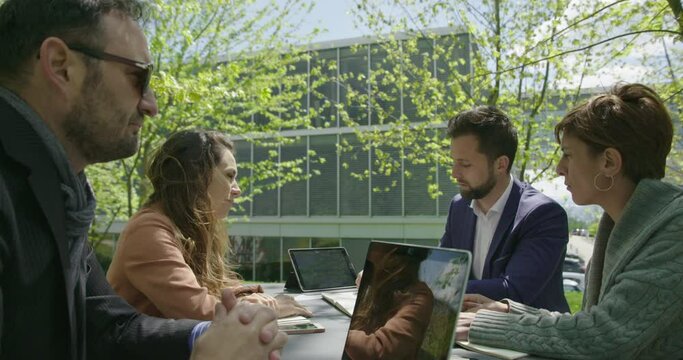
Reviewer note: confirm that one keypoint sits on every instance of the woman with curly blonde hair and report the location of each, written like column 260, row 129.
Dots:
column 170, row 259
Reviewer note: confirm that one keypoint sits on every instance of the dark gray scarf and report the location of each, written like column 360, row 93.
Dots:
column 79, row 200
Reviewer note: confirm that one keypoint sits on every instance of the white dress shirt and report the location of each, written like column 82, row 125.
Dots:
column 485, row 229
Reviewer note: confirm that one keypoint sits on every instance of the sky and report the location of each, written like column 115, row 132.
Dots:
column 334, row 17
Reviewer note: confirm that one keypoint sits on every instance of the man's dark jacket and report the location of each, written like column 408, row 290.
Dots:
column 524, row 262
column 39, row 318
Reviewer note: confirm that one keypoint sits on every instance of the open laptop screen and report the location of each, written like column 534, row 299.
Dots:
column 408, row 302
column 323, row 268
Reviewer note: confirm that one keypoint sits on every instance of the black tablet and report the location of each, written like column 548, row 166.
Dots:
column 323, row 269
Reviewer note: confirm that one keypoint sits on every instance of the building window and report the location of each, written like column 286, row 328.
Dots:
column 293, row 193
column 323, row 187
column 353, row 191
column 291, row 243
column 353, row 71
column 387, row 182
column 267, row 259
column 417, row 199
column 324, row 89
column 265, row 203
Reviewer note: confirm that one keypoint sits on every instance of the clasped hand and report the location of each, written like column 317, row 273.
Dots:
column 240, row 330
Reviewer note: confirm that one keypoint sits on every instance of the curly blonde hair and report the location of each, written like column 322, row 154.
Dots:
column 180, row 172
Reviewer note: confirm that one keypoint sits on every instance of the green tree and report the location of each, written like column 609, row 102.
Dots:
column 221, row 64
column 531, row 58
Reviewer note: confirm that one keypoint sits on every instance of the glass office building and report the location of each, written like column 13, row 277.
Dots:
column 334, row 207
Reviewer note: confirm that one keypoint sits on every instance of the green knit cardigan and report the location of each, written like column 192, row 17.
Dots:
column 633, row 304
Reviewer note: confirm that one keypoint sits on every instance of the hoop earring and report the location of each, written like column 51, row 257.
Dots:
column 595, row 183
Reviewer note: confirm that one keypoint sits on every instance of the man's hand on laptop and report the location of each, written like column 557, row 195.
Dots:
column 475, row 302
column 251, row 328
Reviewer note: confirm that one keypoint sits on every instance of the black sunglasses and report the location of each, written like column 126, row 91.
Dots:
column 146, row 68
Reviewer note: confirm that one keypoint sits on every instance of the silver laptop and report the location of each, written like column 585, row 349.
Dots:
column 408, row 302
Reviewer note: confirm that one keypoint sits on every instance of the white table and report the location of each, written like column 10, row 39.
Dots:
column 330, row 344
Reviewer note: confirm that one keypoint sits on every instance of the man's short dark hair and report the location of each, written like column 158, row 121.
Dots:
column 25, row 24
column 494, row 130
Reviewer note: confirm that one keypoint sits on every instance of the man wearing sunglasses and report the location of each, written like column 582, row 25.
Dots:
column 74, row 91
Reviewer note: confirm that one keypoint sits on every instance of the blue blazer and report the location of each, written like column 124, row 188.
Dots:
column 524, row 262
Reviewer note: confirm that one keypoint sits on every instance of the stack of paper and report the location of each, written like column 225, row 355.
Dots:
column 496, row 352
column 299, row 325
column 294, row 320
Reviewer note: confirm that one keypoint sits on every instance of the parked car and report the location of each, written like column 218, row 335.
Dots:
column 574, row 281
column 580, row 232
column 573, row 263
column 571, row 285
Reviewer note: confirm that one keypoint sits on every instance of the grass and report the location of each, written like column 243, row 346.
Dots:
column 574, row 298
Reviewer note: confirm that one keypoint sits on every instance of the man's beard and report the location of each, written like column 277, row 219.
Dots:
column 480, row 191
column 88, row 126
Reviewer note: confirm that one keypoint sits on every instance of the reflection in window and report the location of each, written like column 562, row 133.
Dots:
column 293, row 193
column 454, row 66
column 423, row 242
column 297, row 84
column 291, row 243
column 421, row 53
column 417, row 179
column 267, row 259
column 353, row 70
column 241, row 256
column 324, row 88
column 324, row 242
column 323, row 187
column 357, row 249
column 386, row 189
column 386, row 95
column 264, row 203
column 353, row 191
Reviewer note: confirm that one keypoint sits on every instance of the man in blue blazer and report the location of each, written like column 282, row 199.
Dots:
column 517, row 235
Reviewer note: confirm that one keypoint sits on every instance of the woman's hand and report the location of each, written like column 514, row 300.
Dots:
column 462, row 330
column 287, row 307
column 252, row 330
column 475, row 302
column 260, row 298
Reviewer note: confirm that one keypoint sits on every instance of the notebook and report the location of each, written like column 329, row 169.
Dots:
column 299, row 325
column 344, row 301
column 498, row 353
column 323, row 269
column 408, row 302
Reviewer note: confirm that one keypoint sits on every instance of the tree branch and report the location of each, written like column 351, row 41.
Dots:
column 580, row 49
column 677, row 9
column 574, row 24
